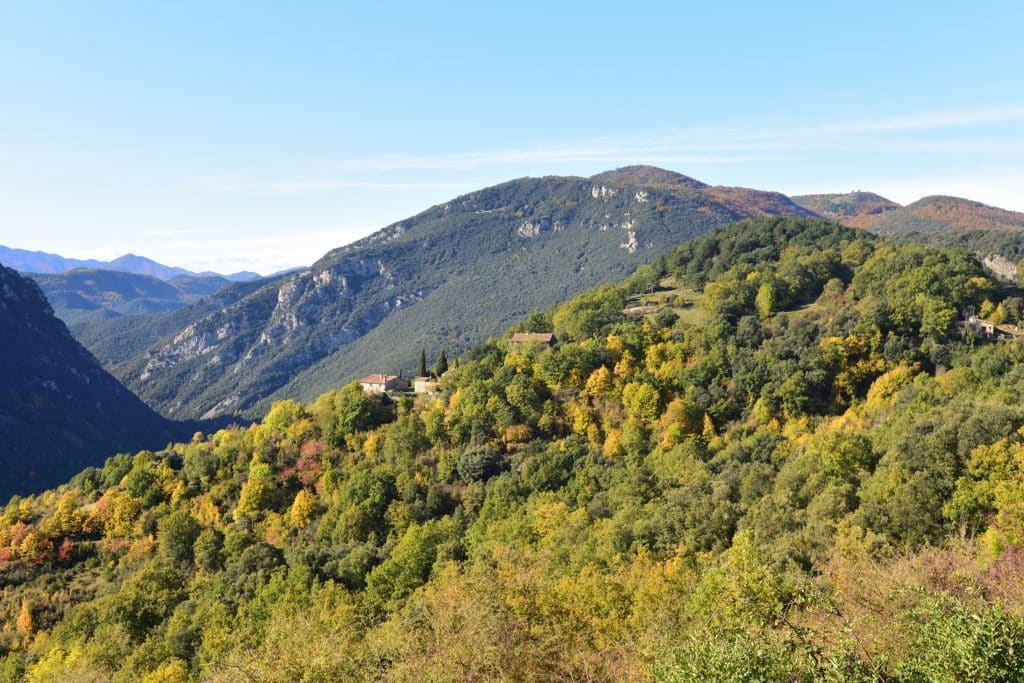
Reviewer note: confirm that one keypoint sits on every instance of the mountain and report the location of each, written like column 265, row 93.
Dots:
column 929, row 214
column 648, row 175
column 42, row 262
column 115, row 339
column 444, row 279
column 933, row 214
column 766, row 457
column 82, row 294
column 855, row 209
column 994, row 234
column 60, row 411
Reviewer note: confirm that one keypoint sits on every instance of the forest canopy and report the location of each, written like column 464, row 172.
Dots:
column 767, row 456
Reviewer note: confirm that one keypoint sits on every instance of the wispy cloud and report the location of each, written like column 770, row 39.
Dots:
column 765, row 141
column 249, row 183
column 295, row 185
column 737, row 143
column 668, row 148
column 931, row 120
column 170, row 232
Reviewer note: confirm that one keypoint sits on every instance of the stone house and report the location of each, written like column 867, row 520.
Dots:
column 425, row 385
column 533, row 338
column 379, row 384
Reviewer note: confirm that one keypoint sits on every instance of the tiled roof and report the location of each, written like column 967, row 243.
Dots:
column 378, row 379
column 532, row 336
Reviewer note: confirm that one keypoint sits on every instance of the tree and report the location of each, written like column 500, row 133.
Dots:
column 257, row 492
column 987, row 308
column 441, row 366
column 356, row 411
column 589, row 312
column 1013, row 308
column 178, row 534
column 25, row 623
column 937, row 319
column 766, row 299
column 641, row 401
column 423, row 364
column 303, row 509
column 477, row 462
column 207, row 549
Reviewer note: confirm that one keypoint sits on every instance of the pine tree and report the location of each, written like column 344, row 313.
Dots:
column 441, row 366
column 423, row 363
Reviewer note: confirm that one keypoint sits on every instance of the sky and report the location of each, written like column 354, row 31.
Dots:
column 257, row 136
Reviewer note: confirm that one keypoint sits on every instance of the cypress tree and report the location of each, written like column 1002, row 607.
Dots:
column 423, row 363
column 441, row 366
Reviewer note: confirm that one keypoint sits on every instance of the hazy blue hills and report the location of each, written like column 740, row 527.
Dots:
column 85, row 294
column 60, row 411
column 42, row 262
column 445, row 278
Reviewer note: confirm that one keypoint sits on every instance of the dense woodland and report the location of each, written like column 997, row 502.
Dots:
column 793, row 469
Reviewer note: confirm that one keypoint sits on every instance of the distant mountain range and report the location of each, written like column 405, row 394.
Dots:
column 930, row 214
column 459, row 272
column 855, row 209
column 42, row 262
column 995, row 235
column 60, row 411
column 86, row 294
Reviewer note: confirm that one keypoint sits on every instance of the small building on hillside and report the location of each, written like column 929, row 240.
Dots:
column 976, row 327
column 532, row 338
column 425, row 385
column 379, row 384
column 1008, row 332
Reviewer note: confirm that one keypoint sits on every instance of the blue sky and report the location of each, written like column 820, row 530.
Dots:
column 258, row 135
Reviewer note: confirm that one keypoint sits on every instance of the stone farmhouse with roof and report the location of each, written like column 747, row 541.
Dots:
column 533, row 338
column 379, row 384
column 979, row 328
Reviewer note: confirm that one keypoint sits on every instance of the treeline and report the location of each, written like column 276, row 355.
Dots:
column 820, row 482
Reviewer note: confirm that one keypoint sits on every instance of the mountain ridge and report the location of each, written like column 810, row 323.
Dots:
column 60, row 411
column 443, row 279
column 45, row 263
column 85, row 294
column 452, row 275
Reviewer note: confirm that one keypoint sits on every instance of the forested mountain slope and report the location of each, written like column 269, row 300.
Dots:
column 855, row 209
column 936, row 213
column 446, row 278
column 935, row 221
column 781, row 465
column 59, row 410
column 116, row 339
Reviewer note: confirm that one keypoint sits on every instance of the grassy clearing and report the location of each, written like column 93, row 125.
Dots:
column 685, row 302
